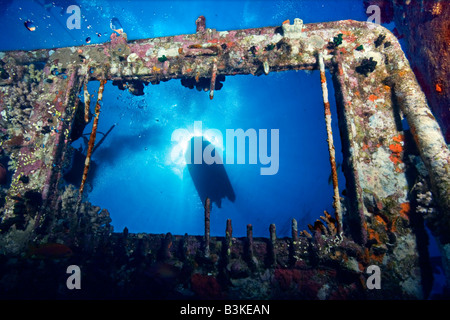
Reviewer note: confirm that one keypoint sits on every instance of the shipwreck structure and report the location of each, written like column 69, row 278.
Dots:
column 396, row 167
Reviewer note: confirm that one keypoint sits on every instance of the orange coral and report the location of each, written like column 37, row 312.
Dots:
column 381, row 221
column 373, row 97
column 395, row 158
column 368, row 258
column 405, row 209
column 349, row 36
column 394, row 224
column 438, row 88
column 374, row 235
column 398, row 138
column 377, row 258
column 396, row 148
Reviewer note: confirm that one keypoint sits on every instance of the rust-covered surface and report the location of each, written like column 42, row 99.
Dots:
column 382, row 213
column 425, row 28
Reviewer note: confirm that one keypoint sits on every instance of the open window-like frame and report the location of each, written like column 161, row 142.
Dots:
column 372, row 79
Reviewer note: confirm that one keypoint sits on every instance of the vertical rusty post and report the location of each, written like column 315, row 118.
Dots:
column 87, row 101
column 213, row 79
column 273, row 234
column 294, row 243
column 201, row 24
column 294, row 230
column 331, row 150
column 228, row 235
column 184, row 251
column 165, row 247
column 91, row 144
column 228, row 242
column 250, row 242
column 207, row 225
column 91, row 140
column 272, row 249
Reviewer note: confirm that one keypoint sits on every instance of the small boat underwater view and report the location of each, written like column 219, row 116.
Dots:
column 224, row 150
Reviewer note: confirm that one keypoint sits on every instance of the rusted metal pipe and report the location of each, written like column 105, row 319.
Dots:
column 229, row 232
column 433, row 149
column 87, row 102
column 92, row 138
column 293, row 255
column 166, row 244
column 207, row 225
column 294, row 230
column 272, row 244
column 273, row 234
column 250, row 241
column 200, row 24
column 228, row 240
column 426, row 132
column 213, row 79
column 331, row 150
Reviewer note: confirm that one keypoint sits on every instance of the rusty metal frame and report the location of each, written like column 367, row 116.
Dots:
column 372, row 80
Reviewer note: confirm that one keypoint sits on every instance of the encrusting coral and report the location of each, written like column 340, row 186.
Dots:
column 20, row 98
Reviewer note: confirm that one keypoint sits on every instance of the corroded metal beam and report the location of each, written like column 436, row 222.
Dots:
column 92, row 136
column 331, row 150
column 207, row 225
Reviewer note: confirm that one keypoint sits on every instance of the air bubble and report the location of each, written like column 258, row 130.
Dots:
column 29, row 25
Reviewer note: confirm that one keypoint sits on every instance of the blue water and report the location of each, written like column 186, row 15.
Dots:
column 145, row 190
